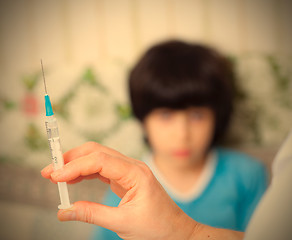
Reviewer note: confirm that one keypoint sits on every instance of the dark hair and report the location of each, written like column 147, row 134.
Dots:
column 177, row 75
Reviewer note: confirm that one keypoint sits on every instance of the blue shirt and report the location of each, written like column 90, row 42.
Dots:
column 228, row 200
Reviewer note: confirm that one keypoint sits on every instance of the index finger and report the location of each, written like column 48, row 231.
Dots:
column 88, row 148
column 111, row 167
column 80, row 151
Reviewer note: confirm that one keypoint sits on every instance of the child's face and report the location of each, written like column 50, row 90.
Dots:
column 180, row 137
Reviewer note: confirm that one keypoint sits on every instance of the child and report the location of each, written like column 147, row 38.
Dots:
column 183, row 96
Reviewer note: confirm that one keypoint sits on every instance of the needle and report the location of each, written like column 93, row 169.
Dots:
column 44, row 77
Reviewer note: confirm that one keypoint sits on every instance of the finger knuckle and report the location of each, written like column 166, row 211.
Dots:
column 88, row 215
column 145, row 170
column 101, row 156
column 91, row 144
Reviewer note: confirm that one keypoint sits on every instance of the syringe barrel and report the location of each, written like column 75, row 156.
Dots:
column 54, row 142
column 64, row 196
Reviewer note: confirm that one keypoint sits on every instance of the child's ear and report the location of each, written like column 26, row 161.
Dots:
column 143, row 126
column 144, row 130
column 145, row 134
column 146, row 141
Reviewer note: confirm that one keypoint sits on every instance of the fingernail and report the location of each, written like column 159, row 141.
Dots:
column 68, row 215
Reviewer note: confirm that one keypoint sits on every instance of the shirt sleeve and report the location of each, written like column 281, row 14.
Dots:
column 254, row 186
column 99, row 233
column 273, row 216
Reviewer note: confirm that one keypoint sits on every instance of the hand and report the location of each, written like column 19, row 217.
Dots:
column 145, row 211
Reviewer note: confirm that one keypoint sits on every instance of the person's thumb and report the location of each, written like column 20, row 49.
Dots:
column 90, row 212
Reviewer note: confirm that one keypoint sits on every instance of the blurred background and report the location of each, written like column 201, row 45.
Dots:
column 87, row 48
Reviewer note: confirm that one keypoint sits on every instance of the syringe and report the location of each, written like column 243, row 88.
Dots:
column 55, row 147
